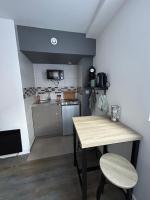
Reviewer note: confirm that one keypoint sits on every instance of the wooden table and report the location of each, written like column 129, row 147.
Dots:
column 94, row 131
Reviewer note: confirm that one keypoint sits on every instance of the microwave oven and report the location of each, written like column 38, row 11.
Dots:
column 54, row 74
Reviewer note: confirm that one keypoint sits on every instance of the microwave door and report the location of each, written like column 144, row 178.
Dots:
column 55, row 75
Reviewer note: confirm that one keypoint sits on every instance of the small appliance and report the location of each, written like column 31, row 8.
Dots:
column 102, row 81
column 54, row 74
column 92, row 76
column 92, row 72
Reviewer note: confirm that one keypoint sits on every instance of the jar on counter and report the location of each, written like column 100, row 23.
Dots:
column 115, row 113
column 58, row 98
column 37, row 101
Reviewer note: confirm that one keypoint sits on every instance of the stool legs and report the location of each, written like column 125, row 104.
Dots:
column 100, row 188
column 101, row 185
column 129, row 194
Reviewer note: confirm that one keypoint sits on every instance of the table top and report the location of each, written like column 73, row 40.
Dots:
column 98, row 131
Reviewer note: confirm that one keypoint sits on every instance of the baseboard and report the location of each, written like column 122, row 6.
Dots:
column 14, row 155
column 133, row 197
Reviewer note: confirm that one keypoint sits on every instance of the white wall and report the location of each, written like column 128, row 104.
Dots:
column 12, row 112
column 123, row 51
column 70, row 75
column 27, row 76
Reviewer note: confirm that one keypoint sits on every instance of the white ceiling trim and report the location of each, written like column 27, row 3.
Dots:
column 105, row 12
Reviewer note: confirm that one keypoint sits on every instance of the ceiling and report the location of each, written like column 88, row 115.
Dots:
column 105, row 12
column 83, row 16
column 67, row 15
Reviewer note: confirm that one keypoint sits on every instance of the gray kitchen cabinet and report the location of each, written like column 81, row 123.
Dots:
column 59, row 119
column 69, row 111
column 47, row 119
column 35, row 43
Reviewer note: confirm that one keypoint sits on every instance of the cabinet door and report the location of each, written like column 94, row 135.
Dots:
column 59, row 119
column 45, row 120
column 67, row 113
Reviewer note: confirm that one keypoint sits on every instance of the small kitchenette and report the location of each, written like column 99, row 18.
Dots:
column 61, row 62
column 55, row 104
column 59, row 82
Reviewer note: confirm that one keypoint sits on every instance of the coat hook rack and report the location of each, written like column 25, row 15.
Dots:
column 98, row 89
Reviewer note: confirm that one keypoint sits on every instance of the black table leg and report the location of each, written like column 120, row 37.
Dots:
column 129, row 194
column 74, row 146
column 105, row 149
column 135, row 151
column 134, row 157
column 84, row 175
column 100, row 188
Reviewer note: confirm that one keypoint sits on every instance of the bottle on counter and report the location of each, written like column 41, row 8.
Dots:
column 58, row 98
column 37, row 99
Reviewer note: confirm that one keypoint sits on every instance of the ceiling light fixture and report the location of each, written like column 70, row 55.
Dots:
column 54, row 41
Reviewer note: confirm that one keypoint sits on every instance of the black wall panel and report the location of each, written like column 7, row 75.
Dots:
column 10, row 142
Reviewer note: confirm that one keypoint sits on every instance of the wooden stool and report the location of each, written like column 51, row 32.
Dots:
column 119, row 171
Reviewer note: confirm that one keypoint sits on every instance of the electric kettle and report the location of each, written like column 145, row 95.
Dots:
column 101, row 81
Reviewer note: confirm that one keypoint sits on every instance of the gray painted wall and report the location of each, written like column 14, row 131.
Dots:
column 36, row 40
column 83, row 71
column 83, row 74
column 53, row 58
column 123, row 51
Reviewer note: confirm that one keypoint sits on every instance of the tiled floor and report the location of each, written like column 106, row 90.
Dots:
column 46, row 147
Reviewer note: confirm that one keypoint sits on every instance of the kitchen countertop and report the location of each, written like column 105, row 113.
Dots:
column 53, row 101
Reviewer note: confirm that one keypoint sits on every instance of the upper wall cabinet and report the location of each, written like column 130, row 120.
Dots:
column 43, row 42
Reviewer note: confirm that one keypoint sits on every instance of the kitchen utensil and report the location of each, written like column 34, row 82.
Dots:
column 102, row 81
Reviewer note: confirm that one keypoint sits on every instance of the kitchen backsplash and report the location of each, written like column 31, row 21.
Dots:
column 70, row 75
column 43, row 86
column 31, row 91
column 28, row 92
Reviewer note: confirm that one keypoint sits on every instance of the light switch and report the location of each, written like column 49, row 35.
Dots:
column 149, row 117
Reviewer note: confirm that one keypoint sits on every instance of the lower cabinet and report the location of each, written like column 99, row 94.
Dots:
column 47, row 119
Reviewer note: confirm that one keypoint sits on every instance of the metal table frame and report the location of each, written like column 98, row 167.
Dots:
column 84, row 170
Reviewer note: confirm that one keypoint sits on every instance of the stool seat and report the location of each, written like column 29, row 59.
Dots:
column 118, row 170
